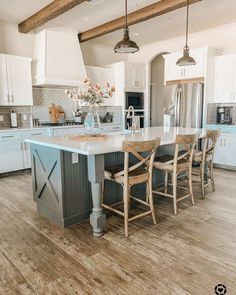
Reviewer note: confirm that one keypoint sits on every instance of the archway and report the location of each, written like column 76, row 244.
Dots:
column 158, row 91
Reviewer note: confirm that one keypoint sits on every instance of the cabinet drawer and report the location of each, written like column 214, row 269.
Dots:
column 9, row 136
column 33, row 133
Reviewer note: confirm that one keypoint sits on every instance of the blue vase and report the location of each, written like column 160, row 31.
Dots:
column 92, row 124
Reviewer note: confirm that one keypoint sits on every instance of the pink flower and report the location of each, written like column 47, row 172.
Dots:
column 97, row 86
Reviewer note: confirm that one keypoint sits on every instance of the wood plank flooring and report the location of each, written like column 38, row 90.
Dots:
column 185, row 254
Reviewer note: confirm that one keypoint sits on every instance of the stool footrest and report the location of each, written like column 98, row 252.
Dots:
column 140, row 215
column 140, row 201
column 113, row 209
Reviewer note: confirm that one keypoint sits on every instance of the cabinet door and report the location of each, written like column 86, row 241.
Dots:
column 197, row 70
column 4, row 93
column 26, row 146
column 20, row 83
column 225, row 150
column 229, row 143
column 223, row 79
column 219, row 156
column 134, row 77
column 172, row 71
column 11, row 156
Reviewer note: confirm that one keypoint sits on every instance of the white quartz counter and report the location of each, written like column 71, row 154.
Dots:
column 113, row 142
column 42, row 127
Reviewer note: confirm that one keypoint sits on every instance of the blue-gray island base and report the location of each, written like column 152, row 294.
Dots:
column 67, row 189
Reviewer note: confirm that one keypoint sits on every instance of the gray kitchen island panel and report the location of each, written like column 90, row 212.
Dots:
column 61, row 188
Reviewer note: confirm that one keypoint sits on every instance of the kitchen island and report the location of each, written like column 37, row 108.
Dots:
column 68, row 172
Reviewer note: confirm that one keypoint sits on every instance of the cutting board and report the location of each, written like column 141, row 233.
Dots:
column 56, row 113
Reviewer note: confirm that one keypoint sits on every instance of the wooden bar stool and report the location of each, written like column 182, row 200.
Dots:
column 174, row 165
column 205, row 158
column 132, row 174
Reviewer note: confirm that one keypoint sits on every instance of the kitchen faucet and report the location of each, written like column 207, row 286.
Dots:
column 135, row 120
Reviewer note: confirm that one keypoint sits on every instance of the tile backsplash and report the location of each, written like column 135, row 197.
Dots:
column 43, row 98
column 212, row 112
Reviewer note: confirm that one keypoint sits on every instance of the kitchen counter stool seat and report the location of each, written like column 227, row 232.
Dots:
column 181, row 161
column 132, row 174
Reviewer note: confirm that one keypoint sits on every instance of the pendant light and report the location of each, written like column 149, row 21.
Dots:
column 126, row 45
column 186, row 59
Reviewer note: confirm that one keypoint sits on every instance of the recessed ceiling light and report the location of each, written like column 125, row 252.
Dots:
column 84, row 18
column 135, row 34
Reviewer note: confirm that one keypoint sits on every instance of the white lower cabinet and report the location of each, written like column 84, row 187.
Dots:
column 225, row 150
column 15, row 152
column 11, row 156
column 26, row 146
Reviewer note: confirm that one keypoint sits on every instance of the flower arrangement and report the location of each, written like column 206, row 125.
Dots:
column 91, row 95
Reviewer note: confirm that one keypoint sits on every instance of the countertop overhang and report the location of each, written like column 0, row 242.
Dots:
column 113, row 142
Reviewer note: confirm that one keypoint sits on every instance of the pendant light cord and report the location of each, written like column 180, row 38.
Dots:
column 126, row 15
column 186, row 23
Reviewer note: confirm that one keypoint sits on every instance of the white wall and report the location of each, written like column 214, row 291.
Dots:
column 96, row 54
column 221, row 38
column 13, row 42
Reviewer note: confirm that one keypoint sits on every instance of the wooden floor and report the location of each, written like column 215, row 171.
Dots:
column 185, row 254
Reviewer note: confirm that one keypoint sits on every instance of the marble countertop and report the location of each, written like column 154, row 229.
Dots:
column 41, row 127
column 113, row 142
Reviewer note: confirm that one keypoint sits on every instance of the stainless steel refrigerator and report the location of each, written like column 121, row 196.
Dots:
column 186, row 105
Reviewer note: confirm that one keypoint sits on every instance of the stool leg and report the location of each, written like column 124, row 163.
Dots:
column 174, row 183
column 149, row 184
column 191, row 185
column 166, row 181
column 202, row 176
column 147, row 192
column 212, row 176
column 129, row 199
column 126, row 208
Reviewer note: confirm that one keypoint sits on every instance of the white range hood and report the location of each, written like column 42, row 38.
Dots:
column 58, row 60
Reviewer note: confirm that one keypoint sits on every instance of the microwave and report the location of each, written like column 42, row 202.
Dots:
column 135, row 99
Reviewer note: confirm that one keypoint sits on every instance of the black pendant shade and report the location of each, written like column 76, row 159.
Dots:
column 126, row 45
column 186, row 59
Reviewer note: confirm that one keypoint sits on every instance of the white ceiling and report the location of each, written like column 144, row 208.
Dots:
column 203, row 15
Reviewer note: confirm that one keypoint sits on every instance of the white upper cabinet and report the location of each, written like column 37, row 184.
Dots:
column 15, row 80
column 100, row 75
column 58, row 58
column 225, row 79
column 174, row 72
column 135, row 76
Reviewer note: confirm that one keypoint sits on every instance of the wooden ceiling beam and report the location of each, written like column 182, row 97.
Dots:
column 145, row 13
column 49, row 12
